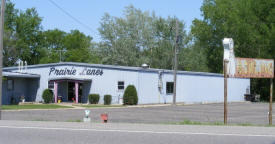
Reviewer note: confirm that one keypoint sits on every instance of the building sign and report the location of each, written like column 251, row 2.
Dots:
column 71, row 71
column 254, row 68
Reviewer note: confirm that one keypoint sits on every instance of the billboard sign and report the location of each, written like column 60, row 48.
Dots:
column 253, row 68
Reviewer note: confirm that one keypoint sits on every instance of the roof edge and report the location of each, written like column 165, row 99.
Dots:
column 115, row 67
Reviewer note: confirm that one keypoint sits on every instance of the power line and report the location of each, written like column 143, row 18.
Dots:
column 72, row 17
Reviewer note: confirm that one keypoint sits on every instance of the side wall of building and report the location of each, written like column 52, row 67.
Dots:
column 205, row 89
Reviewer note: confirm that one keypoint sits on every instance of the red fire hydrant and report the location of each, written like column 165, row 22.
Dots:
column 104, row 118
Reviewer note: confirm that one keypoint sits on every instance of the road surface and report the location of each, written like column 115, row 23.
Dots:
column 34, row 132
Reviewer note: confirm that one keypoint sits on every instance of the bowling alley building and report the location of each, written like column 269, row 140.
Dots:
column 73, row 82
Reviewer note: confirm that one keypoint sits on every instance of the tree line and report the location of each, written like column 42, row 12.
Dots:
column 143, row 37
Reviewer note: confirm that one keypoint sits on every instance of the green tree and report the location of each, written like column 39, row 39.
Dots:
column 29, row 34
column 53, row 42
column 79, row 48
column 249, row 22
column 10, row 54
column 22, row 35
column 139, row 37
column 24, row 39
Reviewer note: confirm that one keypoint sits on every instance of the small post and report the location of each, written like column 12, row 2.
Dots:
column 225, row 91
column 270, row 101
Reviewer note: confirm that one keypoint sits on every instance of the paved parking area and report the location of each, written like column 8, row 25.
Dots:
column 238, row 113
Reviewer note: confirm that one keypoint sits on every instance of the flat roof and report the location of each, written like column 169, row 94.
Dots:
column 19, row 75
column 117, row 67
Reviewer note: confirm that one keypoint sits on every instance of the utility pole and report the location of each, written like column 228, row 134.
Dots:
column 225, row 91
column 60, row 54
column 175, row 64
column 1, row 50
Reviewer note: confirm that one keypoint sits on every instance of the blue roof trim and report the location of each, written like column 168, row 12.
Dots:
column 19, row 75
column 125, row 68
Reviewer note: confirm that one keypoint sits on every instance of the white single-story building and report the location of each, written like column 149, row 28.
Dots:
column 75, row 81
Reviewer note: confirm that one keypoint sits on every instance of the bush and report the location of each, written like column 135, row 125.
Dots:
column 130, row 96
column 47, row 96
column 107, row 99
column 93, row 98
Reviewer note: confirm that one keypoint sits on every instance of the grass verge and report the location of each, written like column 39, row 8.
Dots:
column 188, row 122
column 74, row 120
column 33, row 106
column 100, row 106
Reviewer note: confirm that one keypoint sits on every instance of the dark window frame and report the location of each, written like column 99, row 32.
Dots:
column 10, row 86
column 51, row 85
column 120, row 85
column 169, row 87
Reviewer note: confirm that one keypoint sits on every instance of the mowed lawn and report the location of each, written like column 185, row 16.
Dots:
column 33, row 106
column 100, row 106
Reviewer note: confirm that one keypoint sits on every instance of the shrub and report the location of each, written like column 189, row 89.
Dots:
column 130, row 96
column 93, row 98
column 107, row 99
column 47, row 96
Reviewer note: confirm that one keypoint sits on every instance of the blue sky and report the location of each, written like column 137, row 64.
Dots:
column 90, row 12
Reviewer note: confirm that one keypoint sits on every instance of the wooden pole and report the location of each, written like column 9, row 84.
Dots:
column 1, row 49
column 270, row 102
column 175, row 64
column 225, row 92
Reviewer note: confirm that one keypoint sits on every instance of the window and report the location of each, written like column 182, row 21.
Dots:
column 50, row 85
column 169, row 87
column 10, row 84
column 120, row 85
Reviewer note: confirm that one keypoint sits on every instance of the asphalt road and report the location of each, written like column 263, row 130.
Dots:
column 26, row 132
column 238, row 113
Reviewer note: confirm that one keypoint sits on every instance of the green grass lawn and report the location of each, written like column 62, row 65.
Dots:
column 99, row 106
column 33, row 106
column 188, row 122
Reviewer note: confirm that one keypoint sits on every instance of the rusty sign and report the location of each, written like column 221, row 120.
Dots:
column 254, row 68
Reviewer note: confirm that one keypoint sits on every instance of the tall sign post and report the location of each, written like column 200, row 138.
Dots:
column 225, row 92
column 228, row 55
column 245, row 68
column 270, row 102
column 1, row 50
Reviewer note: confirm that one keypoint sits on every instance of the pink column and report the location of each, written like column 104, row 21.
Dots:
column 55, row 91
column 76, row 92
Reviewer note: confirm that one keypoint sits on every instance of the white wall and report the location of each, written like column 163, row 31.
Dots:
column 191, row 87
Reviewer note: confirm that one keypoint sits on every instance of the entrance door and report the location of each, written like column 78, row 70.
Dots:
column 71, row 92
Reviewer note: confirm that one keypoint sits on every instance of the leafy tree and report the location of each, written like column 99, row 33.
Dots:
column 78, row 47
column 24, row 39
column 249, row 22
column 22, row 35
column 137, row 38
column 28, row 31
column 53, row 41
